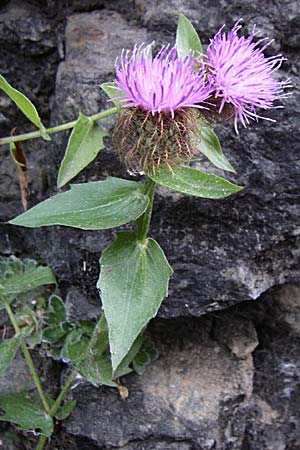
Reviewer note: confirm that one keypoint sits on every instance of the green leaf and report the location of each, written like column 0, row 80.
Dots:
column 210, row 146
column 87, row 326
column 123, row 368
column 18, row 277
column 26, row 411
column 24, row 104
column 96, row 367
column 97, row 370
column 112, row 93
column 133, row 282
column 54, row 352
column 8, row 349
column 65, row 410
column 193, row 182
column 90, row 206
column 54, row 334
column 74, row 347
column 145, row 356
column 85, row 142
column 55, row 313
column 187, row 39
column 34, row 338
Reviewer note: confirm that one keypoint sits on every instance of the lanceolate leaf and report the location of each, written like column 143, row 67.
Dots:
column 19, row 277
column 187, row 38
column 23, row 103
column 210, row 146
column 85, row 142
column 111, row 90
column 90, row 206
column 26, row 411
column 193, row 182
column 133, row 282
column 8, row 349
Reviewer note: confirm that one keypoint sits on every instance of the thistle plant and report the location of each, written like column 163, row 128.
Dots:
column 166, row 107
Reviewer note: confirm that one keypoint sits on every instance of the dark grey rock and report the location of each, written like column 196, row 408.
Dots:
column 77, row 308
column 29, row 54
column 274, row 422
column 17, row 377
column 193, row 397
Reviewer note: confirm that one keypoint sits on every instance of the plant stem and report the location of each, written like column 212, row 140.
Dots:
column 41, row 442
column 62, row 127
column 57, row 403
column 27, row 356
column 143, row 222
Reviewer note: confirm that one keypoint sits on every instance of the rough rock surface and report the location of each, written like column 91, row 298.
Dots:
column 227, row 381
column 183, row 398
column 204, row 392
column 274, row 421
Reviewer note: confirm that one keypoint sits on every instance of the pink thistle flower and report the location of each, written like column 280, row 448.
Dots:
column 240, row 74
column 165, row 83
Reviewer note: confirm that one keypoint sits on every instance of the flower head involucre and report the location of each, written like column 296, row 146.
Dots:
column 165, row 83
column 240, row 74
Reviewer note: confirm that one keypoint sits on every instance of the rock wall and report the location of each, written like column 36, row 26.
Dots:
column 229, row 380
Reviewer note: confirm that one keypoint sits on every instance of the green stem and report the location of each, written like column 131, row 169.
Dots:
column 41, row 442
column 56, row 405
column 143, row 222
column 27, row 356
column 67, row 385
column 62, row 127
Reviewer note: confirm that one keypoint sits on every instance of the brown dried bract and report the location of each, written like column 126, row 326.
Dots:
column 144, row 141
column 20, row 159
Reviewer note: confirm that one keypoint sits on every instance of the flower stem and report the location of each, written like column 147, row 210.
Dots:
column 143, row 222
column 62, row 127
column 27, row 356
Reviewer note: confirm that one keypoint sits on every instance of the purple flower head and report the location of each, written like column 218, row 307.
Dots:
column 163, row 83
column 240, row 74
